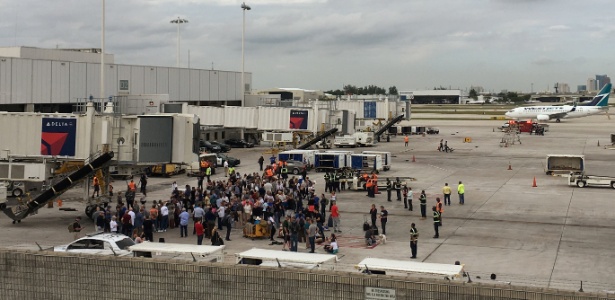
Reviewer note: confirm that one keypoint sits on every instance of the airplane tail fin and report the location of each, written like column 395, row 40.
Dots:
column 602, row 98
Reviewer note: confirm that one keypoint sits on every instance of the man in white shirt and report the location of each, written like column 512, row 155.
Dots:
column 132, row 217
column 225, row 164
column 221, row 214
column 113, row 225
column 164, row 212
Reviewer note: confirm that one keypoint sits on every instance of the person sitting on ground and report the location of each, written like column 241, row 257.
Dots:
column 369, row 237
column 332, row 246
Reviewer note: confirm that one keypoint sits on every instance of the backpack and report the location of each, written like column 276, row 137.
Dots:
column 71, row 228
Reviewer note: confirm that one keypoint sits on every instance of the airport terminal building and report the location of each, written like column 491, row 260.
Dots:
column 54, row 80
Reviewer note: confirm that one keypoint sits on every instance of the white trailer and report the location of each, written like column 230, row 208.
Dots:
column 174, row 250
column 387, row 158
column 366, row 162
column 564, row 163
column 403, row 268
column 582, row 180
column 299, row 155
column 347, row 156
column 275, row 258
column 345, row 141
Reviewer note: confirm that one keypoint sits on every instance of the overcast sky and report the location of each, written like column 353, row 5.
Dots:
column 324, row 44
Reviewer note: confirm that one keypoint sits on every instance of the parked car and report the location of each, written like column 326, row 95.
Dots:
column 295, row 166
column 99, row 244
column 433, row 130
column 237, row 143
column 223, row 147
column 209, row 147
column 232, row 162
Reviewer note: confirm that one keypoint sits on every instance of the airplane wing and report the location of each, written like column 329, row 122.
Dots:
column 560, row 115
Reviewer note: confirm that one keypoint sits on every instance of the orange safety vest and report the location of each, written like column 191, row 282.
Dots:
column 369, row 183
column 203, row 164
column 439, row 207
column 406, row 139
column 131, row 185
column 95, row 181
column 269, row 172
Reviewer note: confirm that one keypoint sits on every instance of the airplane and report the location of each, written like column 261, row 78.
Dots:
column 599, row 104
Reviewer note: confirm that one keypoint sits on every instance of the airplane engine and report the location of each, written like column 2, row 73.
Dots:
column 542, row 117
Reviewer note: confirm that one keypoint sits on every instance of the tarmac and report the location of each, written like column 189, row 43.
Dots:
column 549, row 236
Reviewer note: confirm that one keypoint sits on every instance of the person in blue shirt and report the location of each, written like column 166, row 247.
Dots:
column 184, row 216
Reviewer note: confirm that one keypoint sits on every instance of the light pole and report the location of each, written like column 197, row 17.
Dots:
column 178, row 21
column 244, row 7
column 102, row 56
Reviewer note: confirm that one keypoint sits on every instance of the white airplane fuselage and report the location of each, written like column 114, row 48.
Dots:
column 542, row 112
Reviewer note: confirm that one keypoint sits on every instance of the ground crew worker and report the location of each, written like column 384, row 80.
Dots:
column 336, row 181
column 398, row 188
column 132, row 186
column 375, row 183
column 423, row 200
column 461, row 190
column 231, row 171
column 269, row 173
column 389, row 187
column 406, row 139
column 446, row 190
column 414, row 236
column 208, row 172
column 327, row 183
column 284, row 172
column 96, row 185
column 439, row 208
column 369, row 185
column 436, row 222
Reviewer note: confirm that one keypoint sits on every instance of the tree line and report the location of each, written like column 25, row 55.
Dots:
column 366, row 90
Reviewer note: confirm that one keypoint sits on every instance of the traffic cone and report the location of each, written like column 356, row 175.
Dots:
column 534, row 184
column 509, row 166
column 413, row 159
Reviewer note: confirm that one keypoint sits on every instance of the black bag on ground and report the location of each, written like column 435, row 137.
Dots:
column 366, row 226
column 375, row 230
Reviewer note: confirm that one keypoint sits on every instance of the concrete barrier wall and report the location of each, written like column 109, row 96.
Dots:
column 45, row 275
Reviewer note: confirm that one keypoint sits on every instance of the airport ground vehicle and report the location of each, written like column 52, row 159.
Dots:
column 433, row 130
column 205, row 160
column 582, row 180
column 358, row 139
column 99, row 244
column 295, row 166
column 564, row 164
column 209, row 147
column 237, row 143
column 379, row 266
column 187, row 251
column 223, row 147
column 221, row 158
column 166, row 170
column 387, row 158
column 298, row 155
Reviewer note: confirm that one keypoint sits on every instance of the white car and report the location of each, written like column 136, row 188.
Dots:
column 99, row 244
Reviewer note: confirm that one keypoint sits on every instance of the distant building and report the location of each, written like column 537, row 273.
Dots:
column 601, row 81
column 478, row 89
column 591, row 85
column 581, row 88
column 562, row 88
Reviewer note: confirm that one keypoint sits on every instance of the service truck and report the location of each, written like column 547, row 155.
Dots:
column 581, row 180
column 366, row 162
column 564, row 164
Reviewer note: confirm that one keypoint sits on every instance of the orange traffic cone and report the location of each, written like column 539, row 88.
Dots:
column 534, row 184
column 413, row 159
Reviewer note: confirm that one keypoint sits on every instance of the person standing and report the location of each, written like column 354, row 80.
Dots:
column 96, row 185
column 164, row 212
column 461, row 190
column 441, row 147
column 200, row 231
column 398, row 188
column 293, row 228
column 436, row 222
column 384, row 214
column 77, row 227
column 183, row 223
column 406, row 140
column 414, row 236
column 439, row 208
column 225, row 164
column 148, row 229
column 335, row 214
column 197, row 215
column 373, row 212
column 423, row 201
column 143, row 182
column 199, row 183
column 446, row 190
column 113, row 225
column 389, row 188
column 261, row 160
column 312, row 235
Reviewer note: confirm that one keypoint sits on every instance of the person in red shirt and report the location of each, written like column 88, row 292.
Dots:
column 335, row 215
column 200, row 231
